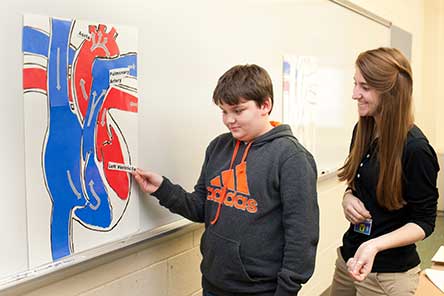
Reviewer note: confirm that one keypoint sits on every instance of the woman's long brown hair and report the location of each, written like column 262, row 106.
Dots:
column 388, row 71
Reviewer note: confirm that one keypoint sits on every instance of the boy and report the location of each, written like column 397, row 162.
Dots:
column 256, row 195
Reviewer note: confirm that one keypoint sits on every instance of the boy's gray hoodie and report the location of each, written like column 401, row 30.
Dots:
column 261, row 216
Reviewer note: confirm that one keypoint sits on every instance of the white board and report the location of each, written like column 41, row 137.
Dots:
column 183, row 48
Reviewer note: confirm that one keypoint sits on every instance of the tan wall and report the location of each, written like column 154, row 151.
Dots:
column 170, row 266
column 434, row 78
column 434, row 64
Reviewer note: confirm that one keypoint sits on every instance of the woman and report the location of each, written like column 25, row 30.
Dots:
column 391, row 174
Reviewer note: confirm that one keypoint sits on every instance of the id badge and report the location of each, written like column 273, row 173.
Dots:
column 364, row 227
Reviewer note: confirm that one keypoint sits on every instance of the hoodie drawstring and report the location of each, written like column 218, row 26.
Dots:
column 224, row 188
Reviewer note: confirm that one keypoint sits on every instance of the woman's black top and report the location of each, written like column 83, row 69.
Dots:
column 420, row 168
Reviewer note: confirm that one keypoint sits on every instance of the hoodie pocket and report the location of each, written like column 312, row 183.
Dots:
column 221, row 263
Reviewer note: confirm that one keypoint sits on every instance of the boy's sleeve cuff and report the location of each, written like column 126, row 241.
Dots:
column 164, row 189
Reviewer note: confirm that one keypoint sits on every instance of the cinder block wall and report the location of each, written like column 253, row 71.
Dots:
column 163, row 267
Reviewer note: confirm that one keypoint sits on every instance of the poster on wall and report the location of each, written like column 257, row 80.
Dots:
column 300, row 97
column 81, row 106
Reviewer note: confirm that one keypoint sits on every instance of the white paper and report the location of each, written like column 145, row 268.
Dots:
column 436, row 276
column 121, row 167
column 439, row 255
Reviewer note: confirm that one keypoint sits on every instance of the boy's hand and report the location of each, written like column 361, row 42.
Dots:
column 148, row 181
column 354, row 209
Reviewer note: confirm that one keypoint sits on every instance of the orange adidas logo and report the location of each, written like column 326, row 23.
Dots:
column 238, row 193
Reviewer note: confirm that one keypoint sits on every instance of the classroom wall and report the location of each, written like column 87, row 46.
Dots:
column 434, row 77
column 170, row 266
column 434, row 64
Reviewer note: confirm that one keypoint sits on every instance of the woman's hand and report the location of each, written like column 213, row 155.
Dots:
column 148, row 182
column 361, row 264
column 354, row 209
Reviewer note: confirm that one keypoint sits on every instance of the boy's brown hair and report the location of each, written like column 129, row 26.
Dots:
column 249, row 82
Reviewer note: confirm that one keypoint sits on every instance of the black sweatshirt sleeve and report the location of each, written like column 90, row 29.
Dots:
column 421, row 169
column 300, row 219
column 179, row 201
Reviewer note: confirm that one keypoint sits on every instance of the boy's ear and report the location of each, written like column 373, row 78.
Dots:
column 267, row 105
